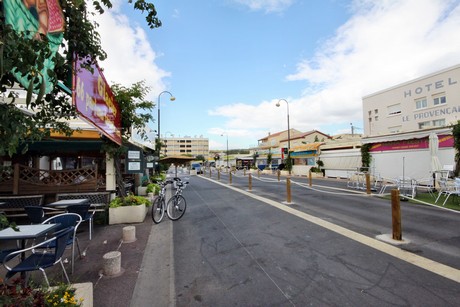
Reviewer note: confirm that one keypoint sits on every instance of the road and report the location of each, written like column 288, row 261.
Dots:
column 240, row 248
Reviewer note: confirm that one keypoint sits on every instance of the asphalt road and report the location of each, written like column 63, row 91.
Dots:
column 232, row 249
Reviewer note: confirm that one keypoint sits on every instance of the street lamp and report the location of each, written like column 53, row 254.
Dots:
column 172, row 98
column 289, row 133
column 227, row 146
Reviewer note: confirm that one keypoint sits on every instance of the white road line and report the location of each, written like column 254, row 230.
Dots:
column 422, row 262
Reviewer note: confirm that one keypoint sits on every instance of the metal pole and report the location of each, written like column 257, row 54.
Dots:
column 158, row 139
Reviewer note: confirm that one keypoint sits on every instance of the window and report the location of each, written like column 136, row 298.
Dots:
column 376, row 118
column 424, row 125
column 439, row 122
column 394, row 109
column 441, row 99
column 394, row 129
column 421, row 103
column 376, row 111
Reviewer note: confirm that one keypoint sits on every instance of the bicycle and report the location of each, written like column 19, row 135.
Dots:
column 159, row 205
column 177, row 205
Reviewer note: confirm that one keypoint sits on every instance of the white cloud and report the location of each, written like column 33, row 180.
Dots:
column 269, row 6
column 383, row 44
column 130, row 57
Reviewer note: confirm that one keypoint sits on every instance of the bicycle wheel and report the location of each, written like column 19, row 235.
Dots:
column 158, row 210
column 176, row 207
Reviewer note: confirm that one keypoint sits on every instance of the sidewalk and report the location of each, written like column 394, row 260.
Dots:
column 107, row 291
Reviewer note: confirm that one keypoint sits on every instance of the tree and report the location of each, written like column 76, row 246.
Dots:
column 200, row 158
column 131, row 100
column 26, row 52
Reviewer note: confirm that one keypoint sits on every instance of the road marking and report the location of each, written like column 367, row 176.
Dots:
column 422, row 262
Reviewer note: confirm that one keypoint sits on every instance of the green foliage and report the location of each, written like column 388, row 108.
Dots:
column 153, row 188
column 19, row 295
column 269, row 158
column 19, row 52
column 130, row 200
column 4, row 223
column 158, row 177
column 200, row 158
column 288, row 163
column 320, row 163
column 456, row 135
column 366, row 155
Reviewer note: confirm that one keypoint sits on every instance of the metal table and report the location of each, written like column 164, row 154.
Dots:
column 64, row 203
column 26, row 232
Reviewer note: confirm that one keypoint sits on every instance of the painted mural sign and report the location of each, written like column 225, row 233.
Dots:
column 34, row 18
column 95, row 101
column 445, row 141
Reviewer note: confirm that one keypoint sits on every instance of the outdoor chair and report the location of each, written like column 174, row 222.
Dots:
column 66, row 220
column 36, row 214
column 41, row 260
column 455, row 190
column 6, row 252
column 86, row 215
column 444, row 188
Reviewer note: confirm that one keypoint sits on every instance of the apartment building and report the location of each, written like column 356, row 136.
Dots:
column 186, row 145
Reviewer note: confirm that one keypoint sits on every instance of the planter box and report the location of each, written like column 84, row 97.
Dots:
column 128, row 214
column 317, row 175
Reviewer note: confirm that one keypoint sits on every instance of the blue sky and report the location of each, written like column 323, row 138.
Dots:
column 228, row 62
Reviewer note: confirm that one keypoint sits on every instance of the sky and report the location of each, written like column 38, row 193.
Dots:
column 228, row 62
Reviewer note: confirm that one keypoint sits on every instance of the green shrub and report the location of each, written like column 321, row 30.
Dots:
column 19, row 295
column 153, row 188
column 130, row 200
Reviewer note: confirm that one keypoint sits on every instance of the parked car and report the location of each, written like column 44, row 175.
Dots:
column 197, row 167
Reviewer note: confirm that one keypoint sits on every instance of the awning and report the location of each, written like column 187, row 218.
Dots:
column 307, row 147
column 404, row 136
column 176, row 159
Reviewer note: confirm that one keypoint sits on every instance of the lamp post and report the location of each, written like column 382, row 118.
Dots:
column 289, row 133
column 172, row 98
column 227, row 146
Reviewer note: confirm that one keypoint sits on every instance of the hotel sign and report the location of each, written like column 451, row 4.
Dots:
column 95, row 101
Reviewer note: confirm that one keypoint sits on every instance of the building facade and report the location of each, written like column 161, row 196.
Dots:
column 398, row 122
column 194, row 146
column 428, row 102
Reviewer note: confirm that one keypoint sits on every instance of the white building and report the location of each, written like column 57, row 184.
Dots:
column 399, row 120
column 186, row 145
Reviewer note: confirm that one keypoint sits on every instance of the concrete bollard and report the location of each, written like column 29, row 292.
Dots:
column 129, row 234
column 111, row 263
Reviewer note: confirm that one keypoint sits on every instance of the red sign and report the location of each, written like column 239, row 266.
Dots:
column 444, row 141
column 95, row 101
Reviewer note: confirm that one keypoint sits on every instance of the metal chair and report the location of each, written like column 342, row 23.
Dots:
column 454, row 191
column 36, row 214
column 66, row 220
column 41, row 260
column 86, row 215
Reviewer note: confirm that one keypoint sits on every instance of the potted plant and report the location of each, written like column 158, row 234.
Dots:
column 152, row 189
column 129, row 209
